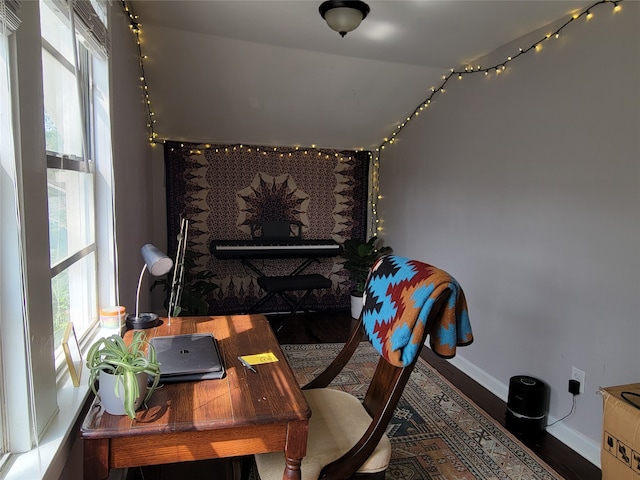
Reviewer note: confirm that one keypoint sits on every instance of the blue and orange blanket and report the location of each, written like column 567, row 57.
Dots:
column 398, row 300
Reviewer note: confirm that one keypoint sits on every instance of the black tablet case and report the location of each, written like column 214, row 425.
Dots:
column 188, row 357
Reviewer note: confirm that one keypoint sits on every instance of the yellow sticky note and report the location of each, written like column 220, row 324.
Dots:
column 259, row 358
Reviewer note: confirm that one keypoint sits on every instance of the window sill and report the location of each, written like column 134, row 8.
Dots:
column 48, row 459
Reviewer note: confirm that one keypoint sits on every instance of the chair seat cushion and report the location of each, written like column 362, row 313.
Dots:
column 338, row 420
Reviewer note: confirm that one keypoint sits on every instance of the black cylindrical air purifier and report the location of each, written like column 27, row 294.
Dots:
column 527, row 405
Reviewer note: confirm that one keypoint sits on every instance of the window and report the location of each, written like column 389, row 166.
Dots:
column 57, row 222
column 69, row 132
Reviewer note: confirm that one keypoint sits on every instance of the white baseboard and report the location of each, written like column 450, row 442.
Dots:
column 581, row 444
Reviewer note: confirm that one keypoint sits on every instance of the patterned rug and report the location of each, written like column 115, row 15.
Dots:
column 436, row 433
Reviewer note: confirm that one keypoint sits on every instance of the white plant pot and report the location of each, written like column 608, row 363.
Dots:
column 357, row 303
column 115, row 404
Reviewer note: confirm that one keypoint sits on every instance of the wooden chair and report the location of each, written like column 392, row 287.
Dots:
column 405, row 301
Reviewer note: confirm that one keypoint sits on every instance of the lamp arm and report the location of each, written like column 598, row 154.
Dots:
column 144, row 268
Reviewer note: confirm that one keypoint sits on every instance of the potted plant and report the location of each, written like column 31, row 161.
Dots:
column 123, row 372
column 360, row 255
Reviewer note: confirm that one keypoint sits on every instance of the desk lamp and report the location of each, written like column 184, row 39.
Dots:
column 158, row 264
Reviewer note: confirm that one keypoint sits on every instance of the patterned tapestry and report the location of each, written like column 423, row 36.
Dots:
column 221, row 189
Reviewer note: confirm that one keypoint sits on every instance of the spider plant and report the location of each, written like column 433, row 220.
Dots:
column 111, row 355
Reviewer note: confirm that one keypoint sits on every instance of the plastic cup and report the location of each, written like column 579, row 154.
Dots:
column 112, row 317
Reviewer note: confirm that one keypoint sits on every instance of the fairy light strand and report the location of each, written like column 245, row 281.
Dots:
column 134, row 26
column 375, row 227
column 281, row 152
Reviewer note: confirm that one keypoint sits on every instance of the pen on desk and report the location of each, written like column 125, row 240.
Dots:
column 247, row 365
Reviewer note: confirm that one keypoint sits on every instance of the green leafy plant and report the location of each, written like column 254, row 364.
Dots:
column 112, row 355
column 360, row 256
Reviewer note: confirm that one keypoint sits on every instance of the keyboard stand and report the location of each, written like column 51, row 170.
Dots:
column 282, row 285
column 299, row 269
column 287, row 234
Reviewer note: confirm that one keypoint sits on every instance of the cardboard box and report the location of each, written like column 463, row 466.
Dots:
column 620, row 454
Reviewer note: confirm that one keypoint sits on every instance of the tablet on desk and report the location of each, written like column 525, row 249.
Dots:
column 188, row 357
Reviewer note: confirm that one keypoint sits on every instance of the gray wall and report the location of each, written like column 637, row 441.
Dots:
column 139, row 170
column 526, row 187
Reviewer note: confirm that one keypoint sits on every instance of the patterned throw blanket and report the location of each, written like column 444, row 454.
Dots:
column 398, row 299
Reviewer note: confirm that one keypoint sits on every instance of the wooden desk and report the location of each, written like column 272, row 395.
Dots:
column 242, row 414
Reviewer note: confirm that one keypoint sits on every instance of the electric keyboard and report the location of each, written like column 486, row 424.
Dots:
column 293, row 248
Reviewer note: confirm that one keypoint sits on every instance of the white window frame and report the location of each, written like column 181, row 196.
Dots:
column 10, row 259
column 43, row 406
column 82, row 308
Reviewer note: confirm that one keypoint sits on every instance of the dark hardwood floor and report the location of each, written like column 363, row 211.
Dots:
column 335, row 327
column 556, row 454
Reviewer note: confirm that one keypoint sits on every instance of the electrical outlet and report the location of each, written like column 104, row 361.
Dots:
column 579, row 375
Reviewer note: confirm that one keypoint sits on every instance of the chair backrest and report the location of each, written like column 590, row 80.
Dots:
column 405, row 301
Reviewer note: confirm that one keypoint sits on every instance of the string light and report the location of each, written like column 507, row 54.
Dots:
column 280, row 152
column 134, row 26
column 500, row 67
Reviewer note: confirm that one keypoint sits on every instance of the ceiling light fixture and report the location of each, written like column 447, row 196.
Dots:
column 344, row 16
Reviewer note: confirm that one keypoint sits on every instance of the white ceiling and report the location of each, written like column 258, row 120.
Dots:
column 271, row 72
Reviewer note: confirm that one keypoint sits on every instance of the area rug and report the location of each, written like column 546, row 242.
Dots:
column 436, row 433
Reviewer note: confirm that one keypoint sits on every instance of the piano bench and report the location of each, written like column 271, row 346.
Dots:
column 278, row 285
column 290, row 283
